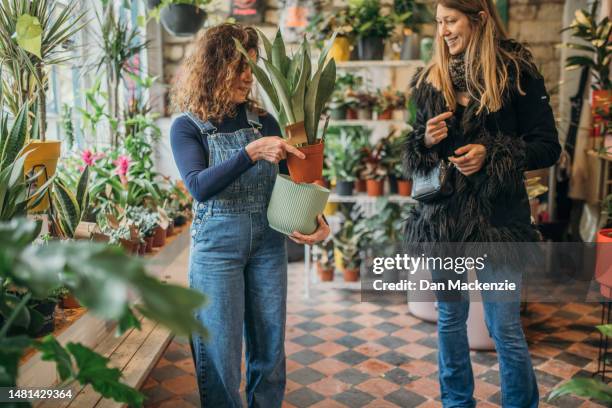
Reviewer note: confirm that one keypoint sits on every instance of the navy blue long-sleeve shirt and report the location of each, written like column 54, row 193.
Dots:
column 190, row 150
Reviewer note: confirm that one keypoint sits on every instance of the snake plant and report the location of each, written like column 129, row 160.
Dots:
column 70, row 206
column 297, row 90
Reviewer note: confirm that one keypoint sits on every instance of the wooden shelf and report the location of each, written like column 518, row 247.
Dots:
column 134, row 353
column 380, row 64
column 364, row 198
column 368, row 123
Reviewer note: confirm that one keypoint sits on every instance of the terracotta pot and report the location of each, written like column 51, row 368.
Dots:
column 43, row 156
column 326, row 275
column 351, row 114
column 130, row 247
column 159, row 237
column 149, row 244
column 404, row 187
column 351, row 274
column 603, row 266
column 600, row 100
column 309, row 169
column 386, row 114
column 360, row 186
column 142, row 248
column 70, row 302
column 375, row 188
column 170, row 229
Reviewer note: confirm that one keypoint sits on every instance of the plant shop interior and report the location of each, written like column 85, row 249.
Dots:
column 96, row 224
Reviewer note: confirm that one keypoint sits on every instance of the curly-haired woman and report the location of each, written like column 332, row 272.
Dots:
column 482, row 104
column 227, row 151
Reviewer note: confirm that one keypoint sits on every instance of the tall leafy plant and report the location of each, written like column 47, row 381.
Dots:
column 34, row 34
column 79, row 267
column 297, row 90
column 597, row 45
column 69, row 206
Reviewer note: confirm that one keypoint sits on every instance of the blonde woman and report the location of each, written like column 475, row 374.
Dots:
column 482, row 106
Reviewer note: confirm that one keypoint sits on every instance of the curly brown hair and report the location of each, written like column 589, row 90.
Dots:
column 208, row 72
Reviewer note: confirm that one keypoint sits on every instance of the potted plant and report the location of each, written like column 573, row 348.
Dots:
column 372, row 28
column 365, row 102
column 181, row 18
column 34, row 35
column 298, row 93
column 389, row 100
column 374, row 171
column 604, row 237
column 342, row 157
column 68, row 206
column 324, row 26
column 118, row 280
column 325, row 260
column 392, row 161
column 66, row 299
column 347, row 243
column 597, row 43
column 410, row 14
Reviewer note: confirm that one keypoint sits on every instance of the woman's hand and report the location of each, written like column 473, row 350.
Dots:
column 272, row 149
column 436, row 129
column 472, row 157
column 319, row 235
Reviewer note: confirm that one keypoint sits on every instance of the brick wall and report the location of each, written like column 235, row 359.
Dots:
column 536, row 22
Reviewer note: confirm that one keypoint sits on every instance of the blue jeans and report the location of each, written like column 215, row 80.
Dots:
column 502, row 317
column 240, row 263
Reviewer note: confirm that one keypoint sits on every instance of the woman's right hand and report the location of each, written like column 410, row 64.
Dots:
column 436, row 129
column 272, row 149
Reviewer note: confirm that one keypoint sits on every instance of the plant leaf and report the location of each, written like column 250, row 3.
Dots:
column 51, row 350
column 29, row 34
column 584, row 387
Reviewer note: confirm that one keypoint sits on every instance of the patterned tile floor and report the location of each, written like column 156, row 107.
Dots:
column 344, row 353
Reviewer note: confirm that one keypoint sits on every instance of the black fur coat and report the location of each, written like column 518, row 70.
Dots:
column 491, row 205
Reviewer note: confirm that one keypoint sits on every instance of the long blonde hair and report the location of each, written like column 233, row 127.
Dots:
column 486, row 72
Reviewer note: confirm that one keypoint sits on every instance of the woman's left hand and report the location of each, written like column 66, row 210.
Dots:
column 471, row 158
column 319, row 235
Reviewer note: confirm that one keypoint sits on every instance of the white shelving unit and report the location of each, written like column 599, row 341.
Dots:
column 378, row 74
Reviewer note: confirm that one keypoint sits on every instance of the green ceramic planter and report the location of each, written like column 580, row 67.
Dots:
column 294, row 207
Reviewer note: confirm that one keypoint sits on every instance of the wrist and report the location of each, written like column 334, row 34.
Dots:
column 251, row 151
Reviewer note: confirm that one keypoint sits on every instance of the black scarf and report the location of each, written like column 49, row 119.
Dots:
column 456, row 70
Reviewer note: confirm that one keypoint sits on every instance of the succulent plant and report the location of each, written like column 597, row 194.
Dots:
column 297, row 90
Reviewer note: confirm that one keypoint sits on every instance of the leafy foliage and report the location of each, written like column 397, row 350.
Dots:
column 69, row 207
column 367, row 19
column 584, row 387
column 344, row 151
column 297, row 92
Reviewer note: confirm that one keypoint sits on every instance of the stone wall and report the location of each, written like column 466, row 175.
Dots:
column 536, row 22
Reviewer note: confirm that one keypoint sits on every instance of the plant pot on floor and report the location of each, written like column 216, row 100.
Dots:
column 47, row 309
column 180, row 220
column 370, row 48
column 375, row 188
column 182, row 20
column 170, row 229
column 351, row 274
column 42, row 158
column 130, row 246
column 159, row 237
column 294, row 207
column 404, row 187
column 325, row 274
column 344, row 188
column 603, row 268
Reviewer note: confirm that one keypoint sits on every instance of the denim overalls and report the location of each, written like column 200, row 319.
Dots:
column 240, row 264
